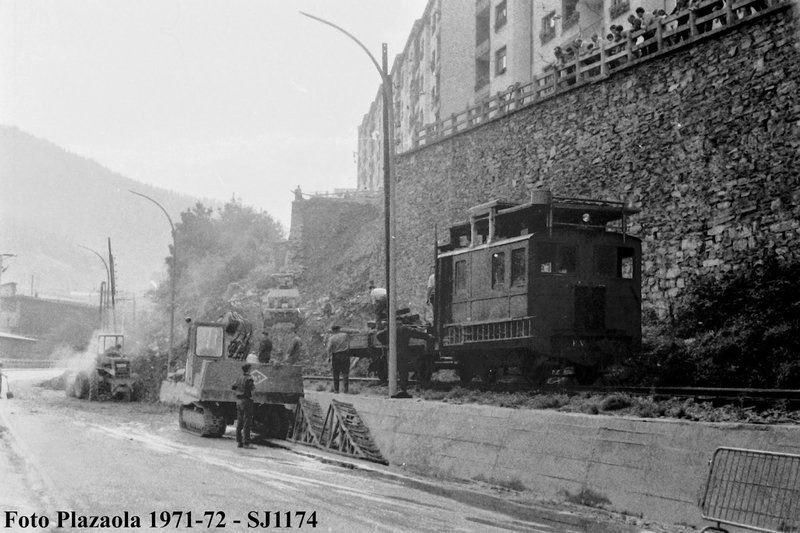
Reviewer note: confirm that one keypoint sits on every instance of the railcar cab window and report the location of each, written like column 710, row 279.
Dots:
column 498, row 270
column 518, row 267
column 557, row 258
column 460, row 278
column 208, row 341
column 614, row 261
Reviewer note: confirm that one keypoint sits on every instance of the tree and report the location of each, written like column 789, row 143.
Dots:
column 223, row 257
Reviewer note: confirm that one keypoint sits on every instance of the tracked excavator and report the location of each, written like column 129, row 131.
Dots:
column 216, row 353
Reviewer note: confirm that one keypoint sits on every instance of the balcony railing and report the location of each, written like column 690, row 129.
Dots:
column 673, row 32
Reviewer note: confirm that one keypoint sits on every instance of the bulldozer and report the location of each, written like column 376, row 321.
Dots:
column 215, row 355
column 110, row 376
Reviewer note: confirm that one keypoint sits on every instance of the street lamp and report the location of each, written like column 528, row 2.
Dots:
column 388, row 194
column 108, row 283
column 172, row 278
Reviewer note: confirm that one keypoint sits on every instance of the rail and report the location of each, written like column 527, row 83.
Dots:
column 752, row 489
column 671, row 33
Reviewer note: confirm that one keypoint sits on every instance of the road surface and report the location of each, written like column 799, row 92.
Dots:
column 128, row 466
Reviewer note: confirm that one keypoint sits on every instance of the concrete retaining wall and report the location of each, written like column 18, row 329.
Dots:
column 653, row 468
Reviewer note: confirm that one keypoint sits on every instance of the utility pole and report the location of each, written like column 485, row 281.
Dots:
column 389, row 194
column 113, row 287
column 105, row 286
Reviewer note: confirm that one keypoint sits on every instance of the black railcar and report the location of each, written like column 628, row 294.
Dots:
column 548, row 287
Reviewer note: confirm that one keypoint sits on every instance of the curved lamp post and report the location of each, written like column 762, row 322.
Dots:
column 388, row 193
column 108, row 280
column 172, row 278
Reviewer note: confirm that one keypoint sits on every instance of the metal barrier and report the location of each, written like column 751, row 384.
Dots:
column 753, row 489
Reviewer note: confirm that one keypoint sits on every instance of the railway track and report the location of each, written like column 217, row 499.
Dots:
column 746, row 396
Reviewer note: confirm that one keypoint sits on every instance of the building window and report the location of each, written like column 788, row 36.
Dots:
column 482, row 71
column 500, row 62
column 571, row 14
column 548, row 27
column 482, row 26
column 500, row 15
column 498, row 270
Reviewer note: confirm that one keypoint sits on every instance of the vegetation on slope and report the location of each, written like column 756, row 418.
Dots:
column 737, row 330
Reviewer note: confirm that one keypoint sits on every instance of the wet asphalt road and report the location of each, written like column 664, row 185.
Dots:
column 111, row 458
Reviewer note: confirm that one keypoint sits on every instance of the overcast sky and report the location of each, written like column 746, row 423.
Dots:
column 207, row 97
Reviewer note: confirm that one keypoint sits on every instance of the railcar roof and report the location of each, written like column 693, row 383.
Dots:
column 565, row 210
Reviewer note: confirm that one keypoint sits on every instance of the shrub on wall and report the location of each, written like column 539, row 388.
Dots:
column 737, row 330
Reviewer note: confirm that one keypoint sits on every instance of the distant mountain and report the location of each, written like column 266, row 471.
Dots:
column 52, row 201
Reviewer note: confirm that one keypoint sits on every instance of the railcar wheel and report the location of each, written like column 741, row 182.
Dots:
column 465, row 372
column 490, row 374
column 586, row 375
column 534, row 370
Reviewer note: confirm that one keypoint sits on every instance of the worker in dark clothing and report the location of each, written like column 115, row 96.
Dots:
column 293, row 354
column 265, row 348
column 244, row 407
column 338, row 349
column 404, row 334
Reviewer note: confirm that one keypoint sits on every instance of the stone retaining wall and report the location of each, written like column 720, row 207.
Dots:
column 648, row 467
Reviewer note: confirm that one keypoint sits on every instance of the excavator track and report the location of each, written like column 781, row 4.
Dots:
column 203, row 420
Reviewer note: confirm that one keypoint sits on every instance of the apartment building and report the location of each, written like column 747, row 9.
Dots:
column 461, row 52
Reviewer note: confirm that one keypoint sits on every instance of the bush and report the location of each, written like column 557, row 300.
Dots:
column 615, row 402
column 150, row 370
column 737, row 330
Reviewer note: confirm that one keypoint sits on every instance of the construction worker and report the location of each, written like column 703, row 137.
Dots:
column 338, row 349
column 244, row 407
column 265, row 348
column 293, row 353
column 404, row 335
